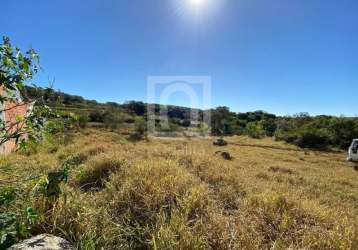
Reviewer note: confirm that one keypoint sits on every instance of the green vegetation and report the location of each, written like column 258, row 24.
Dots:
column 303, row 130
column 318, row 132
column 16, row 70
column 140, row 128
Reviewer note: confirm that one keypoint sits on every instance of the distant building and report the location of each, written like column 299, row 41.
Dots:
column 9, row 113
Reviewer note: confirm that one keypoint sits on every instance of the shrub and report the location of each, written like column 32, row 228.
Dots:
column 307, row 136
column 255, row 130
column 269, row 126
column 82, row 120
column 113, row 120
column 313, row 138
column 7, row 195
column 137, row 108
column 317, row 132
column 288, row 137
column 140, row 128
column 11, row 229
column 96, row 116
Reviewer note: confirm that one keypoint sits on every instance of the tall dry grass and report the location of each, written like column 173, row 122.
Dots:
column 179, row 194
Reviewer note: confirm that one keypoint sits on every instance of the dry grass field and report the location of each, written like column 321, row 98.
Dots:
column 182, row 194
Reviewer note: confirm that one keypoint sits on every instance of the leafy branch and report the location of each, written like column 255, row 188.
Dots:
column 16, row 70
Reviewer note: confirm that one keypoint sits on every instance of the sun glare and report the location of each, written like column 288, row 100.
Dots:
column 196, row 11
column 197, row 3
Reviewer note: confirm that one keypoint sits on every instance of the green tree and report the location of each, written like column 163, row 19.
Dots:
column 137, row 108
column 223, row 122
column 269, row 126
column 140, row 128
column 255, row 130
column 16, row 70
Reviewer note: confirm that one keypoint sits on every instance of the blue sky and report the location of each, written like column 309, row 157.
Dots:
column 282, row 56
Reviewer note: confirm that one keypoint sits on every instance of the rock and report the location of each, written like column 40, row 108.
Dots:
column 43, row 242
column 355, row 167
column 225, row 155
column 220, row 142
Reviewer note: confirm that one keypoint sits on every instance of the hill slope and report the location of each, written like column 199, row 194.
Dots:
column 303, row 130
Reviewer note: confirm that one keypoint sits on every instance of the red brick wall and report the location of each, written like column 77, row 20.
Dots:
column 12, row 113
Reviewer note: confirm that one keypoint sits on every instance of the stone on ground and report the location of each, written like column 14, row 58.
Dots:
column 43, row 242
column 220, row 142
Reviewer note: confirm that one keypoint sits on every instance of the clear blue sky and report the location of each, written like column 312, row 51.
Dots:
column 282, row 56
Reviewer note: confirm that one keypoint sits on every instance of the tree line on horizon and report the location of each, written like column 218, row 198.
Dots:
column 303, row 130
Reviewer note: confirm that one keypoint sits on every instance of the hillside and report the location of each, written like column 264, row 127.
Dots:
column 165, row 194
column 324, row 132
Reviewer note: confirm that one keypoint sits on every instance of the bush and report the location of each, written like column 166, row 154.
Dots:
column 113, row 120
column 269, row 126
column 82, row 120
column 288, row 137
column 317, row 132
column 255, row 130
column 12, row 229
column 137, row 108
column 140, row 128
column 307, row 137
column 7, row 195
column 96, row 116
column 203, row 129
column 313, row 138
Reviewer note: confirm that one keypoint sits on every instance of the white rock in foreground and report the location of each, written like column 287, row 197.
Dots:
column 43, row 242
